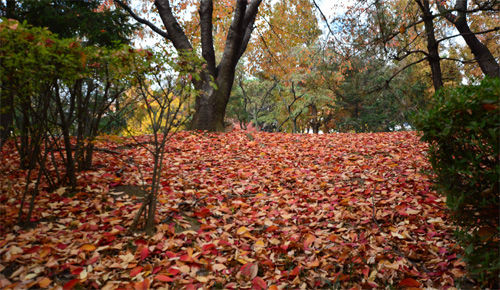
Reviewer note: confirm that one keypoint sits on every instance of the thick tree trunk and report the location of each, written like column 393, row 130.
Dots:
column 210, row 107
column 432, row 44
column 208, row 114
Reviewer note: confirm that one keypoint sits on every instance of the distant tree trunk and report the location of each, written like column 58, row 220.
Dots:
column 6, row 116
column 210, row 106
column 315, row 122
column 66, row 120
column 482, row 54
column 432, row 44
column 7, row 96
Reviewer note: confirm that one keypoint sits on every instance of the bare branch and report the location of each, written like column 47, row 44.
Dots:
column 471, row 33
column 142, row 20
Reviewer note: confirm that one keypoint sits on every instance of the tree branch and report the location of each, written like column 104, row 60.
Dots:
column 234, row 37
column 142, row 20
column 207, row 43
column 174, row 30
column 248, row 22
column 475, row 33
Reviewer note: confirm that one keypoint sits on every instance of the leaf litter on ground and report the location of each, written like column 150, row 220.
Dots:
column 275, row 211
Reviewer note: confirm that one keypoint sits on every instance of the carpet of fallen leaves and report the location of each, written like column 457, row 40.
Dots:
column 236, row 210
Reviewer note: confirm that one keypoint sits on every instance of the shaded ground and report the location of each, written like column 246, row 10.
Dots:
column 281, row 210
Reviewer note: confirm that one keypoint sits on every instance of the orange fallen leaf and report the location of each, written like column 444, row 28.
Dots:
column 44, row 282
column 88, row 247
column 308, row 241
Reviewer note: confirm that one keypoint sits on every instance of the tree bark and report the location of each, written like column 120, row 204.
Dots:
column 432, row 45
column 482, row 54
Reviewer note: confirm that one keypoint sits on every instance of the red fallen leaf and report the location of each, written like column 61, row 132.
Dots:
column 134, row 272
column 173, row 271
column 31, row 250
column 249, row 270
column 77, row 271
column 139, row 242
column 409, row 282
column 295, row 271
column 71, row 284
column 203, row 212
column 208, row 247
column 224, row 243
column 170, row 254
column 92, row 260
column 120, row 228
column 186, row 258
column 156, row 269
column 144, row 253
column 259, row 283
column 163, row 278
column 272, row 228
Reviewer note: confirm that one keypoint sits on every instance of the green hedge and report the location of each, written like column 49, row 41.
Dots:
column 462, row 127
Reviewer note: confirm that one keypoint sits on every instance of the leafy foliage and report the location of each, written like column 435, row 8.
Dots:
column 88, row 20
column 463, row 127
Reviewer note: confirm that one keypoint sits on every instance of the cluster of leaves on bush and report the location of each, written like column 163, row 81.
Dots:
column 462, row 127
column 60, row 95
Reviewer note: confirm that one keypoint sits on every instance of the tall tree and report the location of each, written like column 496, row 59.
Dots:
column 482, row 54
column 216, row 80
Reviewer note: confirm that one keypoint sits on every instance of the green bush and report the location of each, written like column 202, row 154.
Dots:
column 462, row 127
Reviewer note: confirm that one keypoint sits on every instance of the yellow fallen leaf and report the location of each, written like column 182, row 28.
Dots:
column 259, row 245
column 242, row 231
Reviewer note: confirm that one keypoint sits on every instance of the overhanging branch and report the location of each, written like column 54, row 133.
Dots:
column 142, row 20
